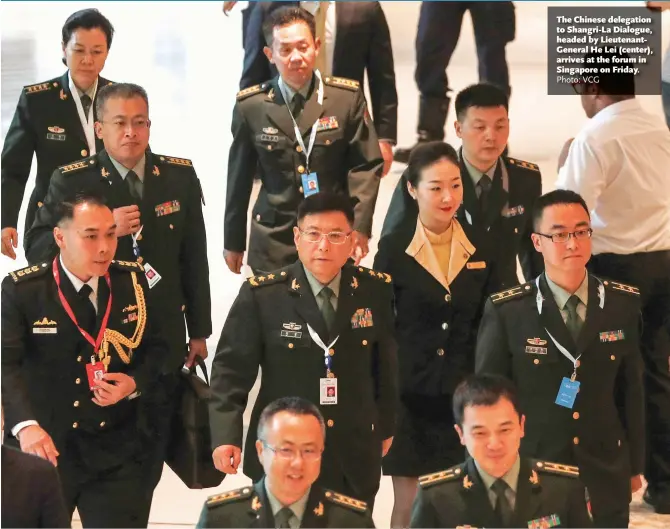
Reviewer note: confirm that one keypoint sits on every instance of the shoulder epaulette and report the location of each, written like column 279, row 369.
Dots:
column 342, row 82
column 556, row 468
column 346, row 501
column 268, row 279
column 30, row 271
column 131, row 266
column 511, row 293
column 77, row 166
column 176, row 161
column 41, row 87
column 444, row 476
column 369, row 272
column 252, row 90
column 525, row 165
column 621, row 287
column 230, row 496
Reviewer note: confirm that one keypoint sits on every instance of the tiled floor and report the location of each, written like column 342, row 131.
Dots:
column 188, row 56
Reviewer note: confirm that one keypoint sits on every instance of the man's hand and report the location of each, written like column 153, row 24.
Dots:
column 360, row 247
column 233, row 260
column 658, row 6
column 227, row 7
column 196, row 347
column 222, row 456
column 112, row 388
column 564, row 153
column 386, row 446
column 127, row 220
column 636, row 483
column 387, row 154
column 10, row 240
column 34, row 440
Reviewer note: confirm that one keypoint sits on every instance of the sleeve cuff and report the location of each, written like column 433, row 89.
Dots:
column 23, row 424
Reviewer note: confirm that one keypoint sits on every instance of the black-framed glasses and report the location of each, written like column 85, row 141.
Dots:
column 289, row 454
column 564, row 236
column 334, row 237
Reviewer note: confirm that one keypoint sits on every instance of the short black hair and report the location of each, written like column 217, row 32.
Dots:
column 284, row 16
column 616, row 85
column 122, row 90
column 552, row 198
column 64, row 210
column 425, row 155
column 292, row 405
column 326, row 202
column 483, row 390
column 87, row 19
column 484, row 95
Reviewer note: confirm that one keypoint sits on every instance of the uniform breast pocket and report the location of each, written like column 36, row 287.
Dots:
column 329, row 145
column 169, row 219
column 271, row 146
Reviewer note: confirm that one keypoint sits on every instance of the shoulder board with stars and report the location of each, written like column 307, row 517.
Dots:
column 511, row 293
column 556, row 468
column 268, row 279
column 77, row 166
column 369, row 272
column 346, row 501
column 176, row 161
column 445, row 476
column 342, row 82
column 130, row 266
column 525, row 165
column 230, row 496
column 28, row 272
column 41, row 87
column 252, row 90
column 621, row 287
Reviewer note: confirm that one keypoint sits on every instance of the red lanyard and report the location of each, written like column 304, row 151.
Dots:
column 68, row 309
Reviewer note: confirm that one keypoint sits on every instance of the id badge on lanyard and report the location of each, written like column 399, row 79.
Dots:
column 87, row 124
column 327, row 385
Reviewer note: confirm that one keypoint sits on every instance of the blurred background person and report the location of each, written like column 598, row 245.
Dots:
column 54, row 121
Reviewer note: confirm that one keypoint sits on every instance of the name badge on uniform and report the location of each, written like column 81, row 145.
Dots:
column 310, row 184
column 536, row 350
column 477, row 265
column 328, row 391
column 567, row 393
column 56, row 133
column 45, row 326
column 153, row 277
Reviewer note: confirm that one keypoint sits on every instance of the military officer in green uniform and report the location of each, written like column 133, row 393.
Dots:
column 157, row 203
column 54, row 120
column 300, row 133
column 495, row 486
column 81, row 351
column 289, row 444
column 570, row 342
column 321, row 329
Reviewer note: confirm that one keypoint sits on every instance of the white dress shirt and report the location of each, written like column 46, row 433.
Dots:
column 93, row 296
column 331, row 29
column 620, row 164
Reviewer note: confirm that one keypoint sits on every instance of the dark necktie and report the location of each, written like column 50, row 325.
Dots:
column 573, row 322
column 86, row 104
column 282, row 518
column 88, row 310
column 327, row 309
column 135, row 185
column 503, row 509
column 484, row 186
column 298, row 104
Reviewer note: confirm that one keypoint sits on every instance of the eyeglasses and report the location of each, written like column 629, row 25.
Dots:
column 289, row 454
column 334, row 237
column 564, row 236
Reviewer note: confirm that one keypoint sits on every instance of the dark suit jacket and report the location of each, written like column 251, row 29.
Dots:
column 42, row 109
column 345, row 156
column 458, row 497
column 363, row 361
column 507, row 224
column 250, row 507
column 31, row 492
column 362, row 43
column 173, row 238
column 603, row 433
column 44, row 359
column 435, row 327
